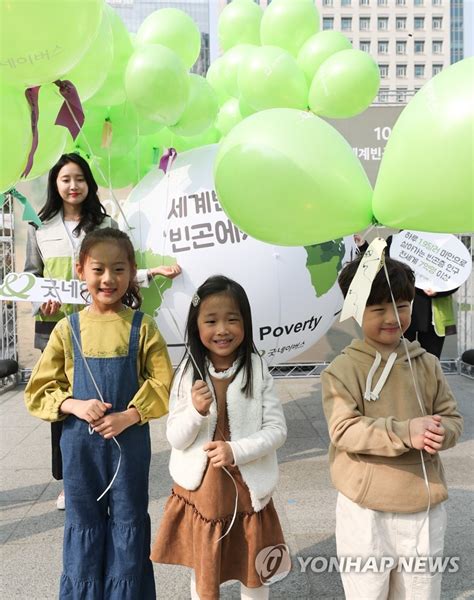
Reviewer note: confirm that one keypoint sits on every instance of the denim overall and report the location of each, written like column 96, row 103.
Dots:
column 106, row 543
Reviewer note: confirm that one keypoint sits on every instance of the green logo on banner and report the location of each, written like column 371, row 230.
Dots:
column 22, row 284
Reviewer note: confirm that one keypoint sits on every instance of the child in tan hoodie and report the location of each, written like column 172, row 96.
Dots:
column 381, row 444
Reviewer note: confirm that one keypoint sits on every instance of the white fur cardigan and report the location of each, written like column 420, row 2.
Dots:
column 257, row 428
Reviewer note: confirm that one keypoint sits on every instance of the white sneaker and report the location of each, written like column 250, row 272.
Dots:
column 61, row 502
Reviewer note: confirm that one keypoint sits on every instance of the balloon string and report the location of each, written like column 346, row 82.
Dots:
column 422, row 408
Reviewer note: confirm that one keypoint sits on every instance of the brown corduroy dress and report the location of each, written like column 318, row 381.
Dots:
column 193, row 521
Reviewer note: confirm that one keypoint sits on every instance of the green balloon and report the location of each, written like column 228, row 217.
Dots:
column 116, row 173
column 318, row 48
column 239, row 23
column 245, row 109
column 425, row 181
column 42, row 40
column 228, row 116
column 174, row 29
column 157, row 83
column 302, row 182
column 15, row 136
column 51, row 137
column 112, row 91
column 288, row 24
column 215, row 77
column 235, row 60
column 344, row 85
column 91, row 71
column 271, row 78
column 120, row 120
column 201, row 109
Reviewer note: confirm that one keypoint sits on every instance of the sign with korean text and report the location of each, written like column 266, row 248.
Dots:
column 441, row 262
column 27, row 287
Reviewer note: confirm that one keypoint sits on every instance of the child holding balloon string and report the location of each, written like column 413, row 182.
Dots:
column 72, row 209
column 389, row 411
column 224, row 427
column 105, row 373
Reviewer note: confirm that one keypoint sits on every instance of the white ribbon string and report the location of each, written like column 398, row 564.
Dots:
column 422, row 408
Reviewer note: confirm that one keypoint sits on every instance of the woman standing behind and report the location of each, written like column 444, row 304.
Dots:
column 72, row 209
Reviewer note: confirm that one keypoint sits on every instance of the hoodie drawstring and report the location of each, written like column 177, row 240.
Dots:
column 374, row 394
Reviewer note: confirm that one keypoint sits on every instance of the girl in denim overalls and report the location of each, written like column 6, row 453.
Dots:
column 105, row 372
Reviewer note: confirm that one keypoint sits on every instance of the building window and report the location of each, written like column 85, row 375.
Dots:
column 401, row 94
column 383, row 95
column 364, row 45
column 437, row 22
column 419, row 22
column 419, row 71
column 364, row 23
column 346, row 23
column 327, row 3
column 383, row 71
column 364, row 2
column 381, row 2
column 401, row 23
column 400, row 2
column 382, row 47
column 328, row 22
column 345, row 2
column 436, row 2
column 437, row 47
column 437, row 69
column 419, row 2
column 401, row 71
column 401, row 47
column 382, row 23
column 419, row 47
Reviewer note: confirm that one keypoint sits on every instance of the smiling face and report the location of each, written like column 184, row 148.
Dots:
column 380, row 325
column 72, row 186
column 107, row 273
column 221, row 329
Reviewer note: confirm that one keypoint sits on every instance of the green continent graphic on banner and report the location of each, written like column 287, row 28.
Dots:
column 323, row 263
column 151, row 297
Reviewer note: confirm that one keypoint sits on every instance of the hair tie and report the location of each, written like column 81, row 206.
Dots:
column 195, row 300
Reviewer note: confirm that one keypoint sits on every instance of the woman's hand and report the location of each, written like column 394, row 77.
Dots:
column 201, row 397
column 50, row 308
column 170, row 271
column 220, row 454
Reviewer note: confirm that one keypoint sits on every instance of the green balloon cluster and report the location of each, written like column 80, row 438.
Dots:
column 15, row 136
column 201, row 109
column 303, row 184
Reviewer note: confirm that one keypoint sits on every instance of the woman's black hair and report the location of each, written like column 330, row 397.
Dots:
column 219, row 284
column 401, row 276
column 92, row 211
column 132, row 297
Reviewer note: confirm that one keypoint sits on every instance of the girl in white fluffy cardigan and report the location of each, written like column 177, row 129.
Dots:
column 224, row 429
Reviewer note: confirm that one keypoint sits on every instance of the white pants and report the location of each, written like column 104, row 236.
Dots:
column 260, row 593
column 362, row 532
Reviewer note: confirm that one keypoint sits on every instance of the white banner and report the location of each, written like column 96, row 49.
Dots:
column 177, row 218
column 441, row 262
column 26, row 287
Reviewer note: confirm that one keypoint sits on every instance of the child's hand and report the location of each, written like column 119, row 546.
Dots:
column 201, row 397
column 87, row 410
column 427, row 433
column 112, row 425
column 220, row 454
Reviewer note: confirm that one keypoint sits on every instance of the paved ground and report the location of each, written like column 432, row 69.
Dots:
column 31, row 527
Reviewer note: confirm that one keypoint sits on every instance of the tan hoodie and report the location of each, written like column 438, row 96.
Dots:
column 371, row 458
